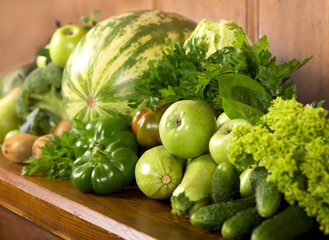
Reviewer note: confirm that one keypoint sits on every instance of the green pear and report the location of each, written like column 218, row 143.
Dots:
column 8, row 118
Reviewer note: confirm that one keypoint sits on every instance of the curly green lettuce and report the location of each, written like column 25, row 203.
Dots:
column 292, row 142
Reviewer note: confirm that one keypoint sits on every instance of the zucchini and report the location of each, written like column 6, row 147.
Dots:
column 194, row 191
column 289, row 224
column 213, row 216
column 268, row 196
column 241, row 224
column 225, row 183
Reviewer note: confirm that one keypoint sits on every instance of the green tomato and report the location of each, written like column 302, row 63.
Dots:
column 63, row 41
column 219, row 143
column 186, row 128
column 158, row 173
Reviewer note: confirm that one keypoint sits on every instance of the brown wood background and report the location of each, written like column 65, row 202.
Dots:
column 295, row 29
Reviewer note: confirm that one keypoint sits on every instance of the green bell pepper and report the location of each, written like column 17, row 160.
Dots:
column 106, row 157
column 104, row 131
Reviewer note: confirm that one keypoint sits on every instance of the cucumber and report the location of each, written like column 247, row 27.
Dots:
column 259, row 174
column 225, row 183
column 245, row 186
column 213, row 216
column 289, row 224
column 268, row 199
column 195, row 188
column 241, row 224
column 268, row 196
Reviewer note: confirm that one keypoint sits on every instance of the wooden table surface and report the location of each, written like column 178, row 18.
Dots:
column 58, row 207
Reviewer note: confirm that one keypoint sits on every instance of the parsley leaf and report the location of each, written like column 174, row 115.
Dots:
column 56, row 160
column 182, row 74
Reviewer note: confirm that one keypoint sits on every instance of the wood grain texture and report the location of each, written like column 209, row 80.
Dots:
column 12, row 226
column 26, row 25
column 58, row 207
column 252, row 19
column 213, row 10
column 299, row 29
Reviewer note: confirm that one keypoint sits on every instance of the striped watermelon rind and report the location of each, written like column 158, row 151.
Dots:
column 103, row 69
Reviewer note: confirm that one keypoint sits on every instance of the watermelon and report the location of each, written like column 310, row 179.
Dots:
column 103, row 69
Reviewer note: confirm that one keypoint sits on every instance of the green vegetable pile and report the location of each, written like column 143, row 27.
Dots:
column 99, row 156
column 39, row 103
column 40, row 96
column 187, row 72
column 284, row 145
column 292, row 142
column 57, row 158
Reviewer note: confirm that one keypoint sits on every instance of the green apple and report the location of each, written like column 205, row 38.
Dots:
column 63, row 41
column 186, row 128
column 222, row 118
column 158, row 173
column 43, row 58
column 219, row 143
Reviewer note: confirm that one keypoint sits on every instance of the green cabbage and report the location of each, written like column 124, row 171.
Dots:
column 213, row 36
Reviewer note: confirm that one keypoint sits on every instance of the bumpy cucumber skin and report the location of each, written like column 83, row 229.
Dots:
column 268, row 196
column 241, row 224
column 268, row 199
column 225, row 183
column 213, row 216
column 259, row 174
column 287, row 225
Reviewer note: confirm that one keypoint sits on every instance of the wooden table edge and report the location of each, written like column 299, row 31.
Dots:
column 28, row 200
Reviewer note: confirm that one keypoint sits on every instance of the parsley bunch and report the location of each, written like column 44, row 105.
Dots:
column 182, row 74
column 57, row 158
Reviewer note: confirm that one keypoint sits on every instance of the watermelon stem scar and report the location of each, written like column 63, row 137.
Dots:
column 91, row 102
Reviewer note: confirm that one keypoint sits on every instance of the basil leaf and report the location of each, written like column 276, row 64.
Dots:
column 243, row 97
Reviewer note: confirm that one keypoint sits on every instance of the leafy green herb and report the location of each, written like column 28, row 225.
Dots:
column 317, row 104
column 189, row 74
column 172, row 78
column 292, row 142
column 243, row 97
column 89, row 22
column 56, row 160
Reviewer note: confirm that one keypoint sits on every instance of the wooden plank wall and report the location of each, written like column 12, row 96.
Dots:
column 295, row 28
